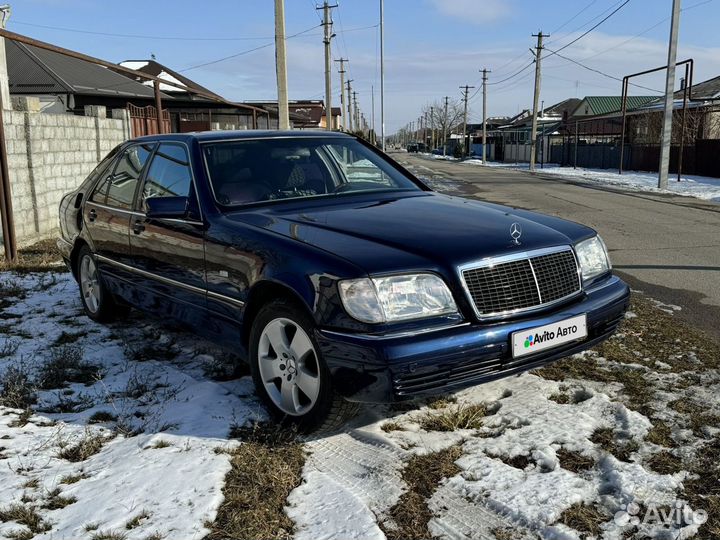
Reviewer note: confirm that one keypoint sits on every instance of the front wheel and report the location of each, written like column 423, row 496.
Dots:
column 98, row 302
column 289, row 372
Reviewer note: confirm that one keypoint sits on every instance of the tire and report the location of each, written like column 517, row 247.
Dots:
column 96, row 299
column 294, row 381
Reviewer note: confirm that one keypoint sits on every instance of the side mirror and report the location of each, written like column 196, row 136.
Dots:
column 167, row 207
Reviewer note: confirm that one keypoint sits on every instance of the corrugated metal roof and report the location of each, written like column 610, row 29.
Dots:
column 32, row 70
column 609, row 104
column 709, row 89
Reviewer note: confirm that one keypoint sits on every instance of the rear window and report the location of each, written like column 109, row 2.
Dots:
column 265, row 170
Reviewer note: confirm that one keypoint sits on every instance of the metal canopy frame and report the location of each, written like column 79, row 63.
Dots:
column 687, row 95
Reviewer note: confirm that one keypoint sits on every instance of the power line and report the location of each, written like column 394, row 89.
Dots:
column 625, row 3
column 602, row 72
column 571, row 19
column 661, row 21
column 241, row 53
column 513, row 75
column 165, row 38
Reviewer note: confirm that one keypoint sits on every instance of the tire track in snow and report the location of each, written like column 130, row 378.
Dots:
column 362, row 472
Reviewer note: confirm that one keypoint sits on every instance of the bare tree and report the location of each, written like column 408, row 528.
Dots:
column 444, row 122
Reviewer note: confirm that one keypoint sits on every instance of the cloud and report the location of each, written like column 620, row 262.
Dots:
column 472, row 11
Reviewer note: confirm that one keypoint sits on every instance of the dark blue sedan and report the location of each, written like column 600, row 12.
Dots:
column 335, row 272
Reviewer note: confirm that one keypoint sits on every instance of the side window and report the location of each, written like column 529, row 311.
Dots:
column 169, row 174
column 118, row 188
column 101, row 169
column 359, row 168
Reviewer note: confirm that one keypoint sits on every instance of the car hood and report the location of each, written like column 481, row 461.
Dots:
column 430, row 230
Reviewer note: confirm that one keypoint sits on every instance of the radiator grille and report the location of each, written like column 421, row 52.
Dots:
column 522, row 284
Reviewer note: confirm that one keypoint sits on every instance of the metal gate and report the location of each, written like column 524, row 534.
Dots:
column 144, row 120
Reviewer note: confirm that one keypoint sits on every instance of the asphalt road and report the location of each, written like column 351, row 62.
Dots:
column 666, row 246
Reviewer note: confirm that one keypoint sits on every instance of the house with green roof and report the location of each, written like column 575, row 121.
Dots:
column 601, row 105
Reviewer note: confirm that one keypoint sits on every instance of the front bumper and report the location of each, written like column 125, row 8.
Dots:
column 380, row 369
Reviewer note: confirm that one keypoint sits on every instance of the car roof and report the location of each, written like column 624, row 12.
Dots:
column 208, row 136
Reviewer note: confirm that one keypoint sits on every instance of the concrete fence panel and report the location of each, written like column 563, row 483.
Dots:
column 50, row 155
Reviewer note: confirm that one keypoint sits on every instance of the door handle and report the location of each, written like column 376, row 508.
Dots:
column 92, row 215
column 138, row 226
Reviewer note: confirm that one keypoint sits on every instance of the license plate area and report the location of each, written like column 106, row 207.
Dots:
column 541, row 338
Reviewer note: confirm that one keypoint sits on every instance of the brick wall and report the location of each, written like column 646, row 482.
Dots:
column 50, row 155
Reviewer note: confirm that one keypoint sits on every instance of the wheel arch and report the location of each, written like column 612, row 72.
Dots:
column 260, row 295
column 75, row 253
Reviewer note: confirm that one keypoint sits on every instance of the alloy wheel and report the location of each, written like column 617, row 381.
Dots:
column 89, row 283
column 288, row 366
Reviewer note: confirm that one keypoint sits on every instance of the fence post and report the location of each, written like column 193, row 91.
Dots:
column 8, row 224
column 158, row 107
column 576, row 143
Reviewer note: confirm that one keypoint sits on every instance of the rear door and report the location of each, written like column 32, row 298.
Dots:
column 108, row 209
column 170, row 253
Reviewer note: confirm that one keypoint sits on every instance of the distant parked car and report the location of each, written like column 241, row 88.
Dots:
column 413, row 147
column 335, row 272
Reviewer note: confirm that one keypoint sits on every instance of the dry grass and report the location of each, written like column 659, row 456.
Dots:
column 40, row 257
column 108, row 535
column 73, row 478
column 698, row 417
column 442, row 402
column 101, row 417
column 266, row 467
column 17, row 389
column 456, row 417
column 66, row 365
column 665, row 463
column 574, row 461
column 88, row 445
column 55, row 500
column 506, row 533
column 157, row 445
column 610, row 442
column 137, row 520
column 26, row 515
column 660, row 434
column 702, row 490
column 659, row 336
column 584, row 518
column 562, row 398
column 387, row 427
column 409, row 517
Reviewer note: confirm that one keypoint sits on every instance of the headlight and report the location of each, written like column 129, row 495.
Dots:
column 593, row 257
column 396, row 298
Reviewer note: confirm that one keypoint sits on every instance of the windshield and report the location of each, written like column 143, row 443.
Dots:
column 253, row 171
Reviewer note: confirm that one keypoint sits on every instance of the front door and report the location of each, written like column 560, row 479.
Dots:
column 169, row 253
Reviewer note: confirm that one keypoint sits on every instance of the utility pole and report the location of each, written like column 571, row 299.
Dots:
column 669, row 101
column 356, row 116
column 466, row 145
column 445, row 124
column 349, row 106
column 327, row 25
column 281, row 66
column 342, row 90
column 382, row 74
column 432, row 128
column 425, row 138
column 372, row 114
column 484, row 127
column 536, row 97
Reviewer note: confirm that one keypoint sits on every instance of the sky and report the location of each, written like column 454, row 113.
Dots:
column 432, row 47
